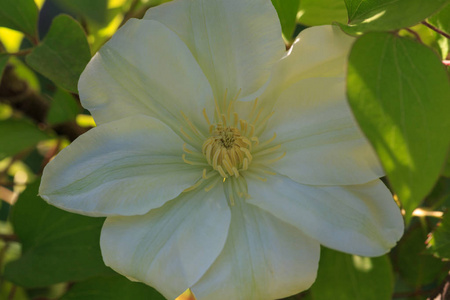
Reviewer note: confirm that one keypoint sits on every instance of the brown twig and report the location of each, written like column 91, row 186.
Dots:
column 435, row 29
column 17, row 93
column 414, row 33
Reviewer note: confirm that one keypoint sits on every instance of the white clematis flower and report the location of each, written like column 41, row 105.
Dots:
column 220, row 161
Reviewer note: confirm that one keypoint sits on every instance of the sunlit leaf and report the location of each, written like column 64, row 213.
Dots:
column 287, row 13
column 382, row 15
column 19, row 15
column 111, row 288
column 63, row 54
column 343, row 276
column 57, row 246
column 398, row 90
column 439, row 241
column 18, row 135
column 11, row 39
column 321, row 12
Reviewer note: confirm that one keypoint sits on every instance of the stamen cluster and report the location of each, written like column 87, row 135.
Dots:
column 227, row 151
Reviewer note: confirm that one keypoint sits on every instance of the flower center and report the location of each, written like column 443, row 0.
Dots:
column 227, row 151
column 229, row 147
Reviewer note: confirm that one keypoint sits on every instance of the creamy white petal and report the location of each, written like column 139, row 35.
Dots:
column 319, row 51
column 171, row 247
column 323, row 143
column 360, row 219
column 264, row 258
column 126, row 167
column 235, row 42
column 145, row 69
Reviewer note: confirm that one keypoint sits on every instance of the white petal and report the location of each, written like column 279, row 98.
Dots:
column 125, row 167
column 359, row 219
column 323, row 143
column 145, row 69
column 235, row 42
column 171, row 247
column 263, row 259
column 319, row 51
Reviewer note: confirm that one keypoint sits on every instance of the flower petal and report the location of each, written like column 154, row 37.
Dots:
column 235, row 42
column 319, row 51
column 145, row 69
column 263, row 258
column 323, row 143
column 171, row 247
column 126, row 167
column 359, row 219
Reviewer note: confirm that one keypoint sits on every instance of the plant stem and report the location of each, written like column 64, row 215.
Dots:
column 435, row 29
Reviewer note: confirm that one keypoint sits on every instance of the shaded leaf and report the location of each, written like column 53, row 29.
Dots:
column 398, row 90
column 343, row 276
column 63, row 54
column 63, row 108
column 287, row 13
column 382, row 15
column 321, row 12
column 111, row 288
column 415, row 265
column 57, row 246
column 20, row 15
column 439, row 241
column 93, row 10
column 18, row 135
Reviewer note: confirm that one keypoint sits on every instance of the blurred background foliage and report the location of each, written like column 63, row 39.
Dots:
column 398, row 87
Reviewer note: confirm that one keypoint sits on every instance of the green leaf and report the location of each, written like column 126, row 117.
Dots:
column 93, row 10
column 63, row 108
column 287, row 13
column 398, row 90
column 442, row 19
column 18, row 135
column 382, row 15
column 57, row 246
column 343, row 276
column 111, row 288
column 439, row 241
column 19, row 15
column 415, row 265
column 63, row 54
column 321, row 12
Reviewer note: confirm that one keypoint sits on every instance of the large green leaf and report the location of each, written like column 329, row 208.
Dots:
column 111, row 288
column 20, row 15
column 63, row 54
column 321, row 12
column 439, row 241
column 93, row 10
column 381, row 15
column 18, row 135
column 57, row 246
column 399, row 91
column 287, row 13
column 343, row 276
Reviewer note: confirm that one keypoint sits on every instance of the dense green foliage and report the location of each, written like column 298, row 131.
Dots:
column 398, row 88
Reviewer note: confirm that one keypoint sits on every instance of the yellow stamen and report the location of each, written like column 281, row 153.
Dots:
column 206, row 117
